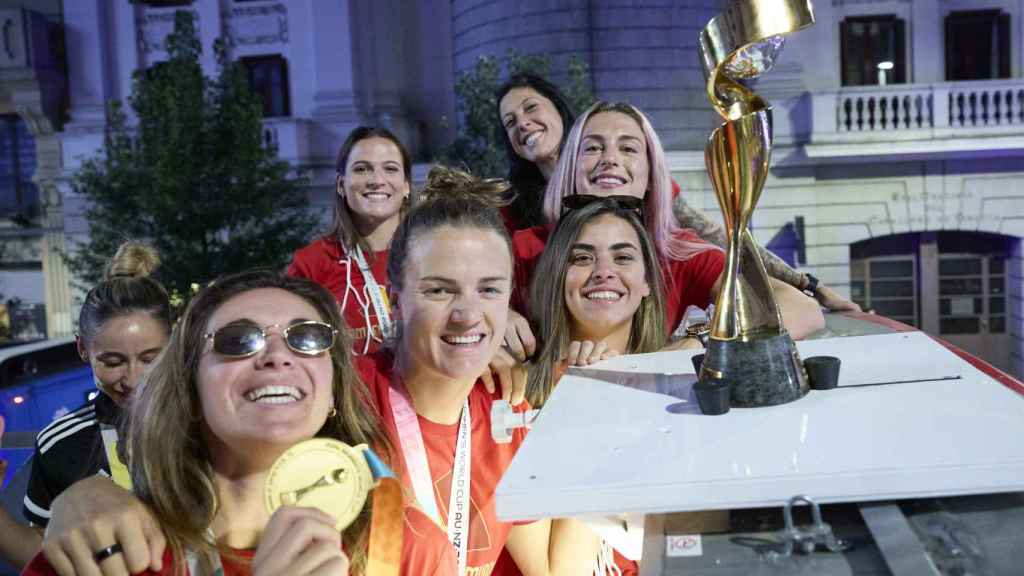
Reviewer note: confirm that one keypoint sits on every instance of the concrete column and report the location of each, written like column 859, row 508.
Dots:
column 928, row 283
column 925, row 48
column 56, row 276
column 331, row 59
column 90, row 81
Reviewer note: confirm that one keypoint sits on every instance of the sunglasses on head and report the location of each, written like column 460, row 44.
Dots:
column 308, row 337
column 617, row 202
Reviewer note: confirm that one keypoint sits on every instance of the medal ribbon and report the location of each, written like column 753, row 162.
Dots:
column 410, row 438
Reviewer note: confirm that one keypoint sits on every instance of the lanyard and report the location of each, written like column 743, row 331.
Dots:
column 410, row 437
column 377, row 296
column 384, row 552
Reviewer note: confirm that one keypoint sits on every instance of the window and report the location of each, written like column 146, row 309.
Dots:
column 19, row 198
column 268, row 79
column 887, row 285
column 873, row 50
column 977, row 45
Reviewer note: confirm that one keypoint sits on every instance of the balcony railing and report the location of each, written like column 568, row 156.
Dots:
column 947, row 116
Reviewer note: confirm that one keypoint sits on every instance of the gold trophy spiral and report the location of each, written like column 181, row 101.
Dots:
column 749, row 348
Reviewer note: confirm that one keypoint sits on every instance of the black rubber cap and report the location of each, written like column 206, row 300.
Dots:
column 822, row 371
column 712, row 396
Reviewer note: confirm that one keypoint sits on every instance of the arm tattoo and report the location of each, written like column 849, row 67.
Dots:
column 714, row 233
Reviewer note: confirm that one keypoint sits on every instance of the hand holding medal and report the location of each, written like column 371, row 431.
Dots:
column 336, row 478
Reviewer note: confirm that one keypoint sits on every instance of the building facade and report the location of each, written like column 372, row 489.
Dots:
column 898, row 169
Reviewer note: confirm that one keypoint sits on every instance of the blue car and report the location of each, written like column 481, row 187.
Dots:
column 39, row 381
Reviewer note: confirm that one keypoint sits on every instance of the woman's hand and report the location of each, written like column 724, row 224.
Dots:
column 509, row 363
column 588, row 352
column 519, row 340
column 828, row 298
column 300, row 541
column 510, row 372
column 93, row 514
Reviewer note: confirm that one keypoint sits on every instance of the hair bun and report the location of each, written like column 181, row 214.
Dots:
column 445, row 182
column 132, row 260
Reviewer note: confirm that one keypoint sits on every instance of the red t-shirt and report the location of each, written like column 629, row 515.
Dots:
column 326, row 263
column 425, row 550
column 488, row 460
column 687, row 282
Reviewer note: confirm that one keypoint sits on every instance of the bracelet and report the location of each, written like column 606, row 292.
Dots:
column 812, row 285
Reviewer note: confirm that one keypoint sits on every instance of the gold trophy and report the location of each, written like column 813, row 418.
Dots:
column 749, row 348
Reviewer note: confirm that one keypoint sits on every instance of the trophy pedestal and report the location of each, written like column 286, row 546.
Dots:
column 760, row 372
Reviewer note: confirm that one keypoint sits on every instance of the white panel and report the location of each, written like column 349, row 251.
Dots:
column 604, row 448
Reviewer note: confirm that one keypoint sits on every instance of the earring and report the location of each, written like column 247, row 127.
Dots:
column 332, row 412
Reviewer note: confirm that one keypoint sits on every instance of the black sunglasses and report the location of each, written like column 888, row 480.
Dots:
column 308, row 337
column 617, row 202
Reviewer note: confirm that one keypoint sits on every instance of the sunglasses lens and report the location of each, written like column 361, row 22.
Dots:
column 237, row 340
column 311, row 338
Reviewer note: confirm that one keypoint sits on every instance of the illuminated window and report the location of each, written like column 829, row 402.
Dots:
column 873, row 50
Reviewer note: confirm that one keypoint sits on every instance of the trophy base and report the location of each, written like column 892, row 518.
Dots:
column 760, row 372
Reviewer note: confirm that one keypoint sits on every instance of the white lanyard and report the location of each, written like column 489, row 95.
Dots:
column 376, row 296
column 410, row 438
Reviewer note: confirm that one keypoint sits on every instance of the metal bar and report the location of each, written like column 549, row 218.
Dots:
column 903, row 552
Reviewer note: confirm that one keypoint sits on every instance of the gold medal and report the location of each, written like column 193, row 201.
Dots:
column 320, row 473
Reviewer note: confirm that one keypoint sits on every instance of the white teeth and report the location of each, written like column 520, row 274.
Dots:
column 275, row 395
column 532, row 139
column 376, row 196
column 463, row 339
column 604, row 295
column 610, row 180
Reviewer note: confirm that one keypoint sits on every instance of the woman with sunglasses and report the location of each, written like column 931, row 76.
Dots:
column 616, row 154
column 450, row 316
column 122, row 327
column 535, row 116
column 373, row 188
column 255, row 366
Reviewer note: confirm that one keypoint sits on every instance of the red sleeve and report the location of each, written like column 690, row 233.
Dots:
column 299, row 267
column 527, row 246
column 690, row 283
column 39, row 567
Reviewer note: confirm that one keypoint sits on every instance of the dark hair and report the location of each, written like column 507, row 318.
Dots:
column 126, row 289
column 343, row 229
column 549, row 314
column 451, row 198
column 525, row 177
column 171, row 471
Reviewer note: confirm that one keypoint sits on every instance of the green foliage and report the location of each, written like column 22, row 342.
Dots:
column 193, row 177
column 478, row 146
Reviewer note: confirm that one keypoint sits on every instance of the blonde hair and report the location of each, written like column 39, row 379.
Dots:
column 171, row 469
column 659, row 220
